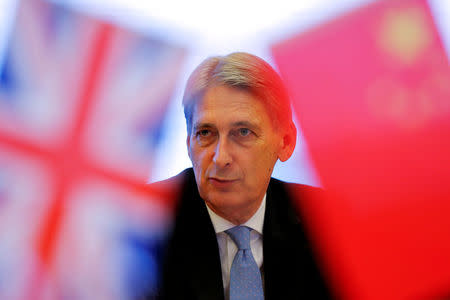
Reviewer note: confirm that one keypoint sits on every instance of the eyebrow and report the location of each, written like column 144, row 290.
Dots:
column 202, row 125
column 248, row 124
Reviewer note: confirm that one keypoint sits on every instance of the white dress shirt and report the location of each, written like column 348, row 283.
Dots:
column 228, row 249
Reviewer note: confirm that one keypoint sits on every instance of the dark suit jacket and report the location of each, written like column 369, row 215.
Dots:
column 192, row 269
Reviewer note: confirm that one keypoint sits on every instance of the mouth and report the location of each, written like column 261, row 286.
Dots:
column 221, row 182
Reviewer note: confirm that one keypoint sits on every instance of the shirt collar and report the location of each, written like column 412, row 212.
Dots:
column 255, row 222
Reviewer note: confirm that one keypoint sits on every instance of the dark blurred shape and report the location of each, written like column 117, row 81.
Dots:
column 372, row 91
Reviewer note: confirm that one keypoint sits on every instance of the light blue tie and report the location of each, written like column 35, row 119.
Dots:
column 245, row 278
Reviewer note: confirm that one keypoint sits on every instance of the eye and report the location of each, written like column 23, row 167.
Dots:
column 244, row 131
column 203, row 133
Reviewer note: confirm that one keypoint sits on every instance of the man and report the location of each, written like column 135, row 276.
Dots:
column 236, row 233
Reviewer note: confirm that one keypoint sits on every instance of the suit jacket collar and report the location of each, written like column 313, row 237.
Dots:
column 279, row 227
column 290, row 267
column 199, row 244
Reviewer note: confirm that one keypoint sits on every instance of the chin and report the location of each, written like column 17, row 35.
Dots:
column 227, row 201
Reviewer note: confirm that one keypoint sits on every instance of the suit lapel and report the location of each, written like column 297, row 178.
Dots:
column 290, row 271
column 275, row 244
column 199, row 246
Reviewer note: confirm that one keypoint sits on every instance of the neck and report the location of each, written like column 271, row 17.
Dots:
column 237, row 216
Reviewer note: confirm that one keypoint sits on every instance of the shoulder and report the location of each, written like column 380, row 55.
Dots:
column 174, row 183
column 177, row 179
column 174, row 188
column 294, row 189
column 292, row 201
column 295, row 186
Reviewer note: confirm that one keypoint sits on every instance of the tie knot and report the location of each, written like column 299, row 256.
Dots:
column 241, row 236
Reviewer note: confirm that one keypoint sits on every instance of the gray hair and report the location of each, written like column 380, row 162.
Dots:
column 243, row 71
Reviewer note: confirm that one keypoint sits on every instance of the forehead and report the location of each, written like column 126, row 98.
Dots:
column 221, row 105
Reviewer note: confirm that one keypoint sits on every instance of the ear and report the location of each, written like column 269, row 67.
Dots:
column 288, row 142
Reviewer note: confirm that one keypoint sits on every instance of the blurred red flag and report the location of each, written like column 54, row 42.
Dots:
column 372, row 93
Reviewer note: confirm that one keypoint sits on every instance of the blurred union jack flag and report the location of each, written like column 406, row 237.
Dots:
column 81, row 103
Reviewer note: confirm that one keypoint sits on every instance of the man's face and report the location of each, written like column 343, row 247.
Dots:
column 233, row 148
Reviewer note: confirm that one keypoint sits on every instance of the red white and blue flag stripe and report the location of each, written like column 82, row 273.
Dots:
column 81, row 103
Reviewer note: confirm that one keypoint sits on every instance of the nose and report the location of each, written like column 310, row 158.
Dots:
column 222, row 157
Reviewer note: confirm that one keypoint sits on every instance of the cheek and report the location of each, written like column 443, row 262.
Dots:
column 199, row 158
column 266, row 162
column 256, row 164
